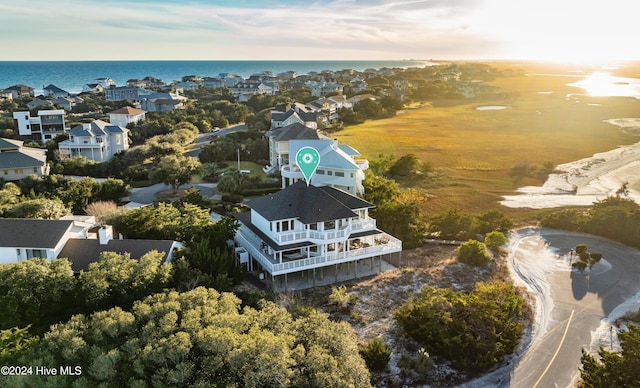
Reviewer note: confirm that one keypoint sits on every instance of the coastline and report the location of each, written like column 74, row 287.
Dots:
column 72, row 75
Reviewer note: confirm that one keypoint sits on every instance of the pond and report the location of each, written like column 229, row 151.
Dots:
column 491, row 107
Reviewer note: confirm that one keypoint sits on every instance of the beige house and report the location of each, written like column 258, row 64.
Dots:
column 18, row 162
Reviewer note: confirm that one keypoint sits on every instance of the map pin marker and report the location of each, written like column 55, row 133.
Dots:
column 308, row 160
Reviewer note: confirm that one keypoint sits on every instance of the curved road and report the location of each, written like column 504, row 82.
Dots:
column 569, row 305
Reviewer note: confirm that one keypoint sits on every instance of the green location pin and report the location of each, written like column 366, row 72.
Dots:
column 308, row 160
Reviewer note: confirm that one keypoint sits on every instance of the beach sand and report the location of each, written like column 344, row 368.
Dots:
column 588, row 180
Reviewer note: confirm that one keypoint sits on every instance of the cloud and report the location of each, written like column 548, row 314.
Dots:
column 294, row 29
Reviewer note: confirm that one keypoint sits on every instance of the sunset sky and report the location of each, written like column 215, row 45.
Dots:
column 564, row 30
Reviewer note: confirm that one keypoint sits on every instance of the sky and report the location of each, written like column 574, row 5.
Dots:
column 560, row 30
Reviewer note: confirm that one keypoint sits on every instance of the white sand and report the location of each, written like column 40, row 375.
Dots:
column 588, row 180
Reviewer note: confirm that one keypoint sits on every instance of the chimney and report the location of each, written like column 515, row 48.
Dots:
column 334, row 143
column 105, row 234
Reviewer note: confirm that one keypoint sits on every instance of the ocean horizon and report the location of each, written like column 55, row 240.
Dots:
column 73, row 75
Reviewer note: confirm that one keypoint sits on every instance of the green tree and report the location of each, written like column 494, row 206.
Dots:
column 473, row 330
column 402, row 220
column 379, row 190
column 199, row 338
column 50, row 209
column 35, row 291
column 14, row 342
column 119, row 280
column 161, row 222
column 452, row 225
column 613, row 369
column 406, row 165
column 175, row 170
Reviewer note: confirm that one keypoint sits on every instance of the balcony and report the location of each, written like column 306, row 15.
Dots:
column 291, row 172
column 327, row 235
column 384, row 244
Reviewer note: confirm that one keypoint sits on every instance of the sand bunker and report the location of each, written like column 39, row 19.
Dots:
column 588, row 180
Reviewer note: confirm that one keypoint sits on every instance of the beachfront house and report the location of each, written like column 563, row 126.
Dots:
column 309, row 230
column 97, row 141
column 52, row 90
column 18, row 162
column 45, row 126
column 21, row 90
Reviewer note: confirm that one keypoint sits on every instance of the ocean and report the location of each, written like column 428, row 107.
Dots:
column 72, row 75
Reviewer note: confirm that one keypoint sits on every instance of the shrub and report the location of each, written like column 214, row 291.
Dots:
column 473, row 330
column 474, row 252
column 376, row 354
column 495, row 240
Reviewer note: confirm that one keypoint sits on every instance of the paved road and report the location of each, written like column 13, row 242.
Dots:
column 205, row 138
column 571, row 304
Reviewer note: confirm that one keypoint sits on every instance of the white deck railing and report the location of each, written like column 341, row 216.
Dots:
column 327, row 235
column 392, row 245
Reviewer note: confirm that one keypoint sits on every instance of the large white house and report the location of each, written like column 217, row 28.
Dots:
column 304, row 228
column 97, row 141
column 338, row 167
column 45, row 126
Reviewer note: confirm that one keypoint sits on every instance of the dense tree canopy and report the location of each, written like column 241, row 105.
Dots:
column 199, row 338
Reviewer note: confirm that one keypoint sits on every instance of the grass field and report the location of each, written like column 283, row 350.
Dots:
column 476, row 149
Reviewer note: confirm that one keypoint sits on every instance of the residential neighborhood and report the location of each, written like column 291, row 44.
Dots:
column 194, row 184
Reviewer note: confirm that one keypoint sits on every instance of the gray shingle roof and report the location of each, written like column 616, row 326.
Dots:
column 82, row 252
column 96, row 128
column 295, row 131
column 32, row 233
column 309, row 204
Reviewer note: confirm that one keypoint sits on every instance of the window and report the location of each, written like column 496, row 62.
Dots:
column 6, row 172
column 313, row 226
column 19, row 170
column 331, row 247
column 329, row 172
column 329, row 225
column 35, row 169
column 285, row 226
column 351, row 175
column 320, row 172
column 339, row 173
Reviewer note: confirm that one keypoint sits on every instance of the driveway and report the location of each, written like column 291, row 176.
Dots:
column 570, row 306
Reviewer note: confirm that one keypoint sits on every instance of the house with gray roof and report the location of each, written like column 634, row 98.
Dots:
column 97, row 141
column 279, row 143
column 310, row 230
column 26, row 238
column 35, row 104
column 79, row 241
column 52, row 90
column 21, row 90
column 18, row 162
column 339, row 166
